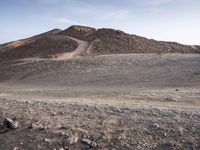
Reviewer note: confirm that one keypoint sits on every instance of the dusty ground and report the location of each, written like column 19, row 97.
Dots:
column 117, row 102
column 106, row 126
column 136, row 76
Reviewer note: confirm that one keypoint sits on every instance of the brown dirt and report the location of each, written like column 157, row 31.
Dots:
column 21, row 42
column 43, row 47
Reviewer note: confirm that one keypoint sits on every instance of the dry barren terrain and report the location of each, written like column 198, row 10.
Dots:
column 83, row 88
column 135, row 101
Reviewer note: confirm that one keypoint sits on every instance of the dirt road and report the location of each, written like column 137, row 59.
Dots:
column 82, row 46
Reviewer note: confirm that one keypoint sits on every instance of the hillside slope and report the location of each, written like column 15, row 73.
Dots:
column 110, row 41
column 46, row 45
column 100, row 42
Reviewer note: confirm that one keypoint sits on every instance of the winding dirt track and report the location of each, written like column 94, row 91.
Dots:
column 82, row 45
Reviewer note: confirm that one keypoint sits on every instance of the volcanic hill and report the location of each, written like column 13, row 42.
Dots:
column 100, row 42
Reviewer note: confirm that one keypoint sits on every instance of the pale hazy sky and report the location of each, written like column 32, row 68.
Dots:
column 170, row 20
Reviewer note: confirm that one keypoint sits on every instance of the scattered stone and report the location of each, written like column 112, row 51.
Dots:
column 54, row 113
column 3, row 129
column 169, row 143
column 180, row 130
column 28, row 102
column 154, row 126
column 71, row 140
column 190, row 145
column 177, row 89
column 1, row 117
column 170, row 99
column 47, row 140
column 197, row 73
column 37, row 126
column 60, row 133
column 165, row 134
column 30, row 141
column 16, row 148
column 39, row 147
column 61, row 113
column 156, row 132
column 42, row 127
column 89, row 142
column 33, row 126
column 9, row 123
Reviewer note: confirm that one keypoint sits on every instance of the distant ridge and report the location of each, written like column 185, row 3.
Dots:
column 101, row 42
column 111, row 41
column 77, row 31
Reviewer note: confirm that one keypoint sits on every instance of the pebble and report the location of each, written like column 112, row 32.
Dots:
column 11, row 124
column 181, row 130
column 170, row 99
column 28, row 102
column 54, row 113
column 47, row 140
column 42, row 127
column 33, row 126
column 165, row 134
column 154, row 126
column 16, row 148
column 71, row 140
column 89, row 142
column 169, row 143
column 39, row 147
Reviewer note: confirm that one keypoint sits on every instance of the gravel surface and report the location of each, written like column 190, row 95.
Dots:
column 136, row 101
column 74, row 126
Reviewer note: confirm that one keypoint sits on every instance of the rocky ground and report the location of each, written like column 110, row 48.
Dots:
column 106, row 97
column 39, row 125
column 136, row 101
